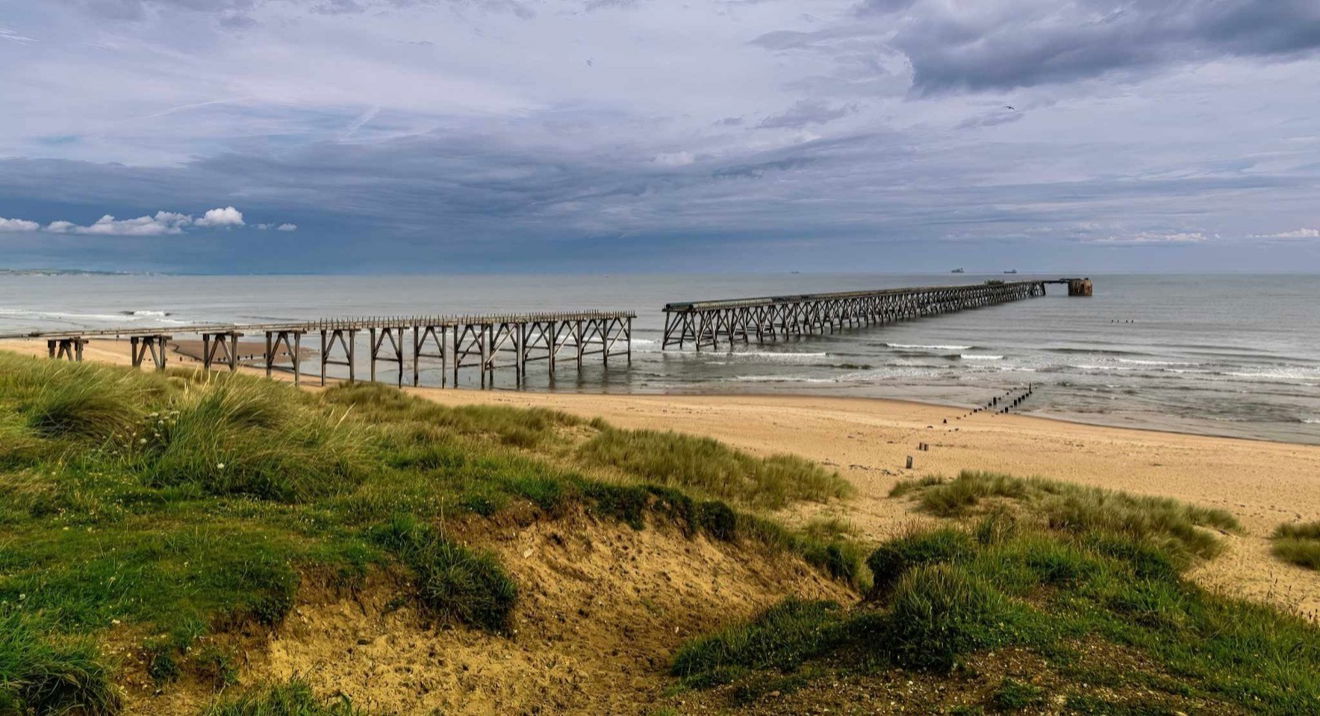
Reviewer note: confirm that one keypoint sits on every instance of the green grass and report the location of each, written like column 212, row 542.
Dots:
column 1024, row 580
column 781, row 637
column 891, row 560
column 453, row 581
column 1186, row 531
column 290, row 698
column 1014, row 695
column 713, row 469
column 50, row 675
column 181, row 505
column 1298, row 544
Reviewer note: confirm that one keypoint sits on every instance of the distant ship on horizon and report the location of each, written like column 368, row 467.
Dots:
column 958, row 270
column 1011, row 271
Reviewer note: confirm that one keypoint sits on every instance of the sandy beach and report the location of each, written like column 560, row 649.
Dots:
column 868, row 441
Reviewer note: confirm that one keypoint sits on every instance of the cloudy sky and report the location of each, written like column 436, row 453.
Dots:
column 610, row 135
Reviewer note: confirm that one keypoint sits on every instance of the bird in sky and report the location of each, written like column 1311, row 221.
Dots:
column 1009, row 106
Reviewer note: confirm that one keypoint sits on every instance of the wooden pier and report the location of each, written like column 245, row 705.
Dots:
column 487, row 343
column 742, row 320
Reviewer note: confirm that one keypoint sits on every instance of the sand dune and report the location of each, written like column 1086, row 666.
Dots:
column 867, row 440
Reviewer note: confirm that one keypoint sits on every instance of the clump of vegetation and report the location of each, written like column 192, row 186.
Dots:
column 290, row 698
column 894, row 558
column 453, row 581
column 1058, row 590
column 939, row 612
column 77, row 400
column 42, row 675
column 781, row 637
column 186, row 504
column 1299, row 544
column 1183, row 529
column 714, row 469
column 252, row 438
column 1014, row 695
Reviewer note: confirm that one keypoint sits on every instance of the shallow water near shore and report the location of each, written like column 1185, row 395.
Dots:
column 1228, row 355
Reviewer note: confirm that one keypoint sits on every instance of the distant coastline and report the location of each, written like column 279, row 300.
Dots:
column 65, row 272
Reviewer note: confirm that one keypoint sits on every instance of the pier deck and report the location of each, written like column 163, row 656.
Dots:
column 770, row 318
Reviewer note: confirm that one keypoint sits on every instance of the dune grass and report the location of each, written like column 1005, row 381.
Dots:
column 1015, row 579
column 454, row 582
column 45, row 675
column 1298, row 544
column 714, row 469
column 183, row 504
column 1185, row 530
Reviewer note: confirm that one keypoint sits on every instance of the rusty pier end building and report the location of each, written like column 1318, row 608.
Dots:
column 707, row 324
column 487, row 343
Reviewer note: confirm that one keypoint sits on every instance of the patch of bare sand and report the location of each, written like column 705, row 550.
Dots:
column 601, row 608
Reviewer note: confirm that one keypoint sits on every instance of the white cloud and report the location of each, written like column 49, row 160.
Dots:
column 1297, row 234
column 228, row 216
column 17, row 225
column 164, row 222
column 160, row 224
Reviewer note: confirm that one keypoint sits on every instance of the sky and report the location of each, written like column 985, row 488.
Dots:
column 431, row 136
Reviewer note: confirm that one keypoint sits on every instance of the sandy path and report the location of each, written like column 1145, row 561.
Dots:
column 868, row 440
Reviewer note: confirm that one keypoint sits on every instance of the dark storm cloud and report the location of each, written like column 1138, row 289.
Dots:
column 1003, row 45
column 445, row 191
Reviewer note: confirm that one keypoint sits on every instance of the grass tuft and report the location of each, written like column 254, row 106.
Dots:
column 453, row 581
column 940, row 612
column 50, row 676
column 290, row 698
column 83, row 406
column 1184, row 528
column 894, row 558
column 1298, row 544
column 1014, row 695
column 706, row 465
column 252, row 438
column 781, row 637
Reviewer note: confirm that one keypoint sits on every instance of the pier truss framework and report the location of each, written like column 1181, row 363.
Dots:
column 708, row 324
column 487, row 343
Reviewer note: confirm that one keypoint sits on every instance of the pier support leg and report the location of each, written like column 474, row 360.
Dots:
column 140, row 346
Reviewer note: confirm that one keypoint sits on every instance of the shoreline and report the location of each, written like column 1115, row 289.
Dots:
column 785, row 395
column 180, row 356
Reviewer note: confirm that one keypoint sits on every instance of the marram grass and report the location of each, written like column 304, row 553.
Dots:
column 182, row 504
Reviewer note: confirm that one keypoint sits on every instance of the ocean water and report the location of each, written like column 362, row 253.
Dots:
column 1229, row 355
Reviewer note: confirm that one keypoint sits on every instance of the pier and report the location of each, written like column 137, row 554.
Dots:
column 771, row 318
column 487, row 343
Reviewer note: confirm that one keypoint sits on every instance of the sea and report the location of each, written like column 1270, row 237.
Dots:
column 1233, row 355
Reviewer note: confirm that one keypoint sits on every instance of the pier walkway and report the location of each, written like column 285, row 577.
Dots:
column 770, row 318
